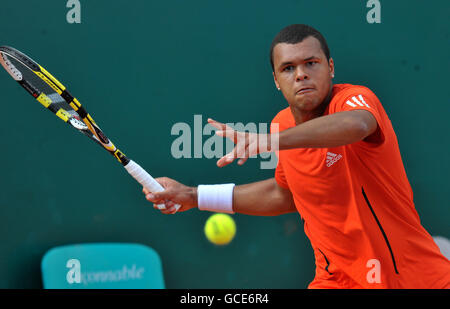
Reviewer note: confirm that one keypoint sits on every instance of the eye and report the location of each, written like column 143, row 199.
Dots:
column 311, row 63
column 288, row 68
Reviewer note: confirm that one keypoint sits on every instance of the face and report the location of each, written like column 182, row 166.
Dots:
column 303, row 74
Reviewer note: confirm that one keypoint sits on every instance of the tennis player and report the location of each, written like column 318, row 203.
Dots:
column 339, row 166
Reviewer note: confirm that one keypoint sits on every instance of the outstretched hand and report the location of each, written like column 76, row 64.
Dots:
column 174, row 193
column 247, row 144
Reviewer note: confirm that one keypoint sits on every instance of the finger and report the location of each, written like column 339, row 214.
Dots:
column 145, row 191
column 219, row 125
column 165, row 212
column 169, row 211
column 222, row 162
column 242, row 161
column 241, row 146
column 227, row 159
column 252, row 150
column 151, row 198
column 167, row 194
column 173, row 210
column 231, row 134
column 163, row 181
column 172, row 204
column 169, row 204
column 161, row 206
column 216, row 124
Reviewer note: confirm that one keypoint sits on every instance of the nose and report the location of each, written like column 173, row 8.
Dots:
column 301, row 75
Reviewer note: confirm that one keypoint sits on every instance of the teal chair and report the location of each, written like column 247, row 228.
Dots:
column 102, row 266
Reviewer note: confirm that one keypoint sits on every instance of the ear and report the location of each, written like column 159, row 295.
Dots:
column 331, row 67
column 275, row 80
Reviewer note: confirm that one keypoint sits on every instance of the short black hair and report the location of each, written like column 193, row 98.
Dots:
column 296, row 33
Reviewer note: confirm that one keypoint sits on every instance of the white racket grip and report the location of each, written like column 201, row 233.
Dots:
column 146, row 180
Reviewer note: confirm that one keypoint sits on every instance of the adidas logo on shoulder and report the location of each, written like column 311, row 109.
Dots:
column 357, row 101
column 332, row 158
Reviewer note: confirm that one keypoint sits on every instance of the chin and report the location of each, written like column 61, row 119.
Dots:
column 306, row 105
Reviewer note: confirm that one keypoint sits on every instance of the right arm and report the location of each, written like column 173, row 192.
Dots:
column 262, row 198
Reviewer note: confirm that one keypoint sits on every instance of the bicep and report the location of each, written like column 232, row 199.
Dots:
column 366, row 122
column 372, row 130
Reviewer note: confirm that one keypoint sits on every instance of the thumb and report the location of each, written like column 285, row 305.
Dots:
column 163, row 195
column 155, row 197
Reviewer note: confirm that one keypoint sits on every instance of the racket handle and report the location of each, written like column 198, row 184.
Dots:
column 146, row 180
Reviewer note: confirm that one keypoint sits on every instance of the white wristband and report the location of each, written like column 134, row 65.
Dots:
column 218, row 198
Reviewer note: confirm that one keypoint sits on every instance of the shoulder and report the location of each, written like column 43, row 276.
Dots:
column 282, row 121
column 354, row 96
column 345, row 91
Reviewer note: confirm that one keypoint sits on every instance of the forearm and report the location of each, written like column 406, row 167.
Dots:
column 329, row 131
column 263, row 198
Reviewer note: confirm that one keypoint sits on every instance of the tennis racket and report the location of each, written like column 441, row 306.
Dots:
column 48, row 91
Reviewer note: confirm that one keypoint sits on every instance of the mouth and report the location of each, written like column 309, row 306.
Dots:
column 304, row 90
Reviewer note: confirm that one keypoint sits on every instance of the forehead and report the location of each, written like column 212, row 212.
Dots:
column 309, row 47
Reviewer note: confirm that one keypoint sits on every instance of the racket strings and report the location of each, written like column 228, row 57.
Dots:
column 10, row 68
column 42, row 87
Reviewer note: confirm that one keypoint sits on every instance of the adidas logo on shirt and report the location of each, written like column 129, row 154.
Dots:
column 355, row 101
column 332, row 158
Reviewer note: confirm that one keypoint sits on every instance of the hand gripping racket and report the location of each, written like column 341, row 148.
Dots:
column 48, row 91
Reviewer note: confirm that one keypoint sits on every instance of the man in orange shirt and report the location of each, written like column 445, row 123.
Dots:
column 339, row 167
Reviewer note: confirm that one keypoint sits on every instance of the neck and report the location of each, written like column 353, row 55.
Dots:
column 301, row 116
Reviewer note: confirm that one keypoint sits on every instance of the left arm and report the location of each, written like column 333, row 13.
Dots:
column 333, row 130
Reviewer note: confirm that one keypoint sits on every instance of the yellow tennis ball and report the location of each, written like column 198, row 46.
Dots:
column 220, row 229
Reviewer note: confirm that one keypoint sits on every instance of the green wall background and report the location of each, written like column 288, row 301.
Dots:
column 156, row 63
